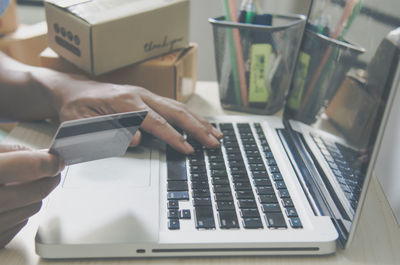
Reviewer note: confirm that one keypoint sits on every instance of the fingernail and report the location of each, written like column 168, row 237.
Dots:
column 217, row 133
column 188, row 148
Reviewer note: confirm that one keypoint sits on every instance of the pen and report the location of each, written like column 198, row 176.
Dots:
column 242, row 14
column 250, row 12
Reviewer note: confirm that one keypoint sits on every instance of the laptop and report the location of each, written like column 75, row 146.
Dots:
column 274, row 187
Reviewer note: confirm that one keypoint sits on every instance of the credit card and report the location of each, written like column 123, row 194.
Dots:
column 94, row 138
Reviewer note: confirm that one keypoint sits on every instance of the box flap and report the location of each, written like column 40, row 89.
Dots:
column 66, row 3
column 96, row 12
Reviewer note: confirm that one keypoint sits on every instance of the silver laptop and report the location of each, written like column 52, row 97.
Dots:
column 274, row 187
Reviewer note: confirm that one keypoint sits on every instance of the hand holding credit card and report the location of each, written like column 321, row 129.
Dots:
column 93, row 138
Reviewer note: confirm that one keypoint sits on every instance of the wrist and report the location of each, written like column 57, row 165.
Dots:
column 56, row 87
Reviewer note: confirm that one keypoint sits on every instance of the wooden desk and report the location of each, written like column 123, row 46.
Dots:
column 377, row 239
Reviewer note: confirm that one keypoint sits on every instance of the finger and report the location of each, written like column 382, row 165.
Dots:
column 213, row 130
column 11, row 218
column 160, row 128
column 17, row 196
column 178, row 114
column 7, row 236
column 12, row 147
column 25, row 166
column 136, row 139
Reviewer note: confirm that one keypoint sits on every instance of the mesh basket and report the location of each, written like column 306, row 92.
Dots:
column 255, row 63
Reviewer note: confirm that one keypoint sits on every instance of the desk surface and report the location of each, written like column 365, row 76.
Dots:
column 377, row 238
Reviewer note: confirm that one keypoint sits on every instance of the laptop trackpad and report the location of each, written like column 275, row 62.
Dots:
column 131, row 170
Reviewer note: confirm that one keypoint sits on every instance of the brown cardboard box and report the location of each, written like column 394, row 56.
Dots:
column 102, row 36
column 26, row 43
column 173, row 75
column 9, row 20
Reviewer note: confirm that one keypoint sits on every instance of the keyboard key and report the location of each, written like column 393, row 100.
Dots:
column 221, row 188
column 271, row 208
column 265, row 190
column 200, row 184
column 236, row 170
column 271, row 198
column 199, row 176
column 173, row 204
column 283, row 193
column 184, row 214
column 201, row 193
column 244, row 194
column 204, row 217
column 276, row 176
column 236, row 163
column 220, row 181
column 274, row 169
column 225, row 205
column 225, row 196
column 253, row 153
column 202, row 201
column 218, row 173
column 262, row 182
column 176, row 165
column 247, row 203
column 217, row 165
column 173, row 214
column 251, row 212
column 252, row 223
column 275, row 220
column 215, row 158
column 254, row 160
column 257, row 167
column 178, row 195
column 291, row 212
column 228, row 219
column 240, row 177
column 177, row 185
column 295, row 222
column 242, row 186
column 260, row 175
column 173, row 224
column 196, row 168
column 287, row 202
column 280, row 185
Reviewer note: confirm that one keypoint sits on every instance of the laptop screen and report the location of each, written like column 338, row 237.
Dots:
column 338, row 103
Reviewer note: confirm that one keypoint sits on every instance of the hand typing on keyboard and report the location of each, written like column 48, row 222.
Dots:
column 61, row 96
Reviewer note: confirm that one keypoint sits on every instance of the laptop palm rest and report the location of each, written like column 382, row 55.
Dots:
column 108, row 201
column 132, row 170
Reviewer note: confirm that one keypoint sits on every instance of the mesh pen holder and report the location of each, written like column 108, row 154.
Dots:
column 255, row 62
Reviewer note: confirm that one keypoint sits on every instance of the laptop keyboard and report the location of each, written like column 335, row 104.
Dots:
column 239, row 181
column 343, row 162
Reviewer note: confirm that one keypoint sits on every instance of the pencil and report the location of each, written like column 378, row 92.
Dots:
column 239, row 53
column 235, row 75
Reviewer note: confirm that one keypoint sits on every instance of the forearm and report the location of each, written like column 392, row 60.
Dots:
column 29, row 93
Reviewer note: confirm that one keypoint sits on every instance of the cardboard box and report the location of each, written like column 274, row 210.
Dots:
column 26, row 43
column 173, row 75
column 104, row 35
column 9, row 19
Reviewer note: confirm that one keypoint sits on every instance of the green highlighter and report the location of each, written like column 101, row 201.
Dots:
column 260, row 54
